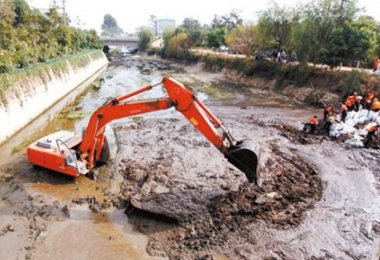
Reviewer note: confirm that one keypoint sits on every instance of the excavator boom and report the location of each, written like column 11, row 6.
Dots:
column 94, row 146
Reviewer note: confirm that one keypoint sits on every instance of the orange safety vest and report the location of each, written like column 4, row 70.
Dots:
column 375, row 105
column 351, row 98
column 373, row 128
column 313, row 121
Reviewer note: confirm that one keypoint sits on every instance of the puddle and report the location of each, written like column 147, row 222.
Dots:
column 81, row 187
column 87, row 235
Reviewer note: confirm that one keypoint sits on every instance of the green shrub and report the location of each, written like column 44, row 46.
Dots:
column 39, row 70
column 352, row 82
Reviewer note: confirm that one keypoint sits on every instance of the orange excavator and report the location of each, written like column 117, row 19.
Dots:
column 74, row 154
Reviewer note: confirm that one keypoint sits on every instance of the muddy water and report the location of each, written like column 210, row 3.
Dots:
column 88, row 235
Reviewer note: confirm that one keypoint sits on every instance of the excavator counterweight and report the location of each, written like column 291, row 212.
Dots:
column 73, row 155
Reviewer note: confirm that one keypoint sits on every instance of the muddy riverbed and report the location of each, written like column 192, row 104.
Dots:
column 170, row 194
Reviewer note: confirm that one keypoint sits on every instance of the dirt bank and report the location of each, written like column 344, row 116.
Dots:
column 316, row 199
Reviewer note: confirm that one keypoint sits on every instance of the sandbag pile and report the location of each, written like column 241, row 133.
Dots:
column 355, row 127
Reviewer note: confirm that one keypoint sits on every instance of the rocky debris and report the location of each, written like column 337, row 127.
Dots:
column 144, row 65
column 93, row 203
column 6, row 229
column 65, row 209
column 297, row 136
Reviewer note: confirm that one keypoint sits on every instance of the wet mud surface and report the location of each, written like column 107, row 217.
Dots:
column 209, row 203
column 305, row 207
column 170, row 194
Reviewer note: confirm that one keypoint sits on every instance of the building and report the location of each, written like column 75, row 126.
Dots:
column 160, row 25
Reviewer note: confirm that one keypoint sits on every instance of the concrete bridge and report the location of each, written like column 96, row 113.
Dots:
column 119, row 42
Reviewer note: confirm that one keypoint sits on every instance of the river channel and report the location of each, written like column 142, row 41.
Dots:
column 72, row 113
column 320, row 200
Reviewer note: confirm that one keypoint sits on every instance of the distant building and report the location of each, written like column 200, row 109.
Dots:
column 160, row 25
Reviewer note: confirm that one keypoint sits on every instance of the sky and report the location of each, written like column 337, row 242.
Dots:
column 89, row 14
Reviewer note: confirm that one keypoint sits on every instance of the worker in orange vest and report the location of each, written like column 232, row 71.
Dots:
column 356, row 101
column 329, row 110
column 371, row 135
column 375, row 105
column 343, row 112
column 369, row 99
column 375, row 64
column 329, row 122
column 350, row 100
column 313, row 124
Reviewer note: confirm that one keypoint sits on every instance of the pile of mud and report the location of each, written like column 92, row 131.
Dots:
column 207, row 205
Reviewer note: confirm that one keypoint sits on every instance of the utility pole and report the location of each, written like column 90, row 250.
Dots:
column 64, row 11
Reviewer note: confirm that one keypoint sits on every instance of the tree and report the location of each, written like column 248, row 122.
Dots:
column 232, row 20
column 275, row 27
column 110, row 26
column 369, row 29
column 217, row 22
column 7, row 14
column 191, row 24
column 322, row 34
column 28, row 36
column 93, row 41
column 178, row 46
column 228, row 21
column 21, row 9
column 145, row 36
column 193, row 29
column 243, row 38
column 215, row 37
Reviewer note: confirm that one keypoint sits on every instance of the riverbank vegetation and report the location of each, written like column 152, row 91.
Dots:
column 42, row 70
column 29, row 36
column 330, row 32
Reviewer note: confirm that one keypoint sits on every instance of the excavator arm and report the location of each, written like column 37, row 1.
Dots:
column 185, row 101
column 94, row 141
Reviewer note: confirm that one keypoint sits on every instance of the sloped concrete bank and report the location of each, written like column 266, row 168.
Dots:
column 28, row 99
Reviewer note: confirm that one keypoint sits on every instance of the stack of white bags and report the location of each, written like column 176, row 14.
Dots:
column 356, row 126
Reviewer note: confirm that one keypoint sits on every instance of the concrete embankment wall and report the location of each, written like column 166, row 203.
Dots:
column 31, row 96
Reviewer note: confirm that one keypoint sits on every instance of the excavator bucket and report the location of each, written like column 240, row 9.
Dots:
column 110, row 146
column 243, row 156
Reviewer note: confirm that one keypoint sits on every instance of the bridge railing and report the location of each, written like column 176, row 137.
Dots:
column 119, row 38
